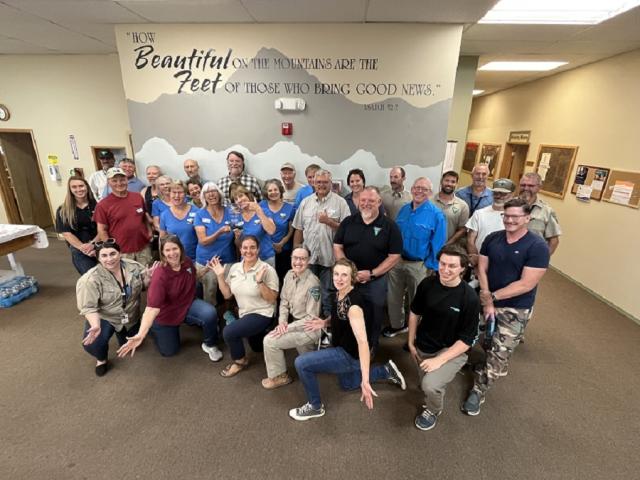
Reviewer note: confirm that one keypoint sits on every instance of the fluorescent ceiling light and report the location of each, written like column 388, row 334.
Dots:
column 567, row 12
column 478, row 92
column 520, row 66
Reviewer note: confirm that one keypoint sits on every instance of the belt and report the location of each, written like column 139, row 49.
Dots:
column 407, row 259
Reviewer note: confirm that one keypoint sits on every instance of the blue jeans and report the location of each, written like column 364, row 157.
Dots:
column 375, row 295
column 200, row 314
column 100, row 346
column 82, row 262
column 251, row 326
column 326, row 287
column 333, row 360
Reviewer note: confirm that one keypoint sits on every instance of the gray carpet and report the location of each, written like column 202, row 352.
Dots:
column 568, row 409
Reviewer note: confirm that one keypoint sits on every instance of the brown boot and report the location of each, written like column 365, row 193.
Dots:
column 275, row 382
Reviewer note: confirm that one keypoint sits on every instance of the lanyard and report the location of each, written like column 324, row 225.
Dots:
column 123, row 288
column 473, row 207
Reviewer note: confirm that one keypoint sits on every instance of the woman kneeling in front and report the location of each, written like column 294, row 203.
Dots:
column 172, row 301
column 254, row 283
column 349, row 355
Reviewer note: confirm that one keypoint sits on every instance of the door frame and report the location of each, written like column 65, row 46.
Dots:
column 507, row 162
column 40, row 171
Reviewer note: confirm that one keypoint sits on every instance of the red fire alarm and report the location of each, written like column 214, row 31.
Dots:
column 287, row 128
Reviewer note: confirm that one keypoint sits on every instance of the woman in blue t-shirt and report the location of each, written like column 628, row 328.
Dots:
column 282, row 215
column 253, row 221
column 162, row 203
column 215, row 238
column 179, row 219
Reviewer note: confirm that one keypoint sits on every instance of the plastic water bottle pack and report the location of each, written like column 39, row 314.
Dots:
column 17, row 289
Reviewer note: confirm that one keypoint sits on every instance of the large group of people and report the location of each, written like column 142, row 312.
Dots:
column 285, row 265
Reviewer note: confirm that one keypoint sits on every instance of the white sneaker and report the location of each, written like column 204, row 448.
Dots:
column 214, row 352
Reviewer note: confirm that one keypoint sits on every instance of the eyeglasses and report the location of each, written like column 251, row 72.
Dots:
column 512, row 217
column 300, row 259
column 108, row 243
column 422, row 189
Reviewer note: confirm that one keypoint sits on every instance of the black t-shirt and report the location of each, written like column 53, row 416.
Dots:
column 507, row 261
column 341, row 332
column 85, row 229
column 448, row 314
column 368, row 245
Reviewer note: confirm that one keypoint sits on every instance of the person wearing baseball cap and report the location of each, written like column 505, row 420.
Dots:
column 121, row 215
column 98, row 180
column 488, row 219
column 291, row 187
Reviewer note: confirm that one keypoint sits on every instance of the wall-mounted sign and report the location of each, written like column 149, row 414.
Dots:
column 521, row 136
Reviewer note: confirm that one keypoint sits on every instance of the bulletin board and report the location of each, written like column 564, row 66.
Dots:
column 490, row 155
column 590, row 181
column 623, row 188
column 555, row 164
column 470, row 155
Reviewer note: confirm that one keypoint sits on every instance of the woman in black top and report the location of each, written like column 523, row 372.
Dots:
column 74, row 221
column 349, row 356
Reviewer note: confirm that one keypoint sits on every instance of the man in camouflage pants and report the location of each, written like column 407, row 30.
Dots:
column 511, row 263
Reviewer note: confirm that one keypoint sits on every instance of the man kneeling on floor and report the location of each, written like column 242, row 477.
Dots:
column 449, row 310
column 299, row 304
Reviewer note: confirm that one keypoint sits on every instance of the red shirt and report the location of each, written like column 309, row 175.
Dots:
column 125, row 220
column 172, row 292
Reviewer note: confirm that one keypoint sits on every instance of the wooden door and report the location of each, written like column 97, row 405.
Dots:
column 27, row 186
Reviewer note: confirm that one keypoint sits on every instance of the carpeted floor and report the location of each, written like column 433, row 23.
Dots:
column 569, row 408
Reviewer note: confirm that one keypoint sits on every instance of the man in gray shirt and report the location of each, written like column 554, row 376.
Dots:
column 395, row 196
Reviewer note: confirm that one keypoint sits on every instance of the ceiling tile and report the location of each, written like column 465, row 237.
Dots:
column 189, row 11
column 434, row 11
column 13, row 46
column 297, row 11
column 536, row 33
column 69, row 11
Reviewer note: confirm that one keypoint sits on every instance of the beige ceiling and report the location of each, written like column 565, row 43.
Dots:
column 86, row 27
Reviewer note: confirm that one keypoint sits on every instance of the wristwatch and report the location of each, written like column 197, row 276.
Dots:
column 372, row 275
column 493, row 297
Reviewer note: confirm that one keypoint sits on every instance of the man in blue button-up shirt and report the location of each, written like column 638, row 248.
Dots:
column 477, row 195
column 424, row 232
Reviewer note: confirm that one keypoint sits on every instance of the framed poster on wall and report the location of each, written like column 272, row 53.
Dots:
column 470, row 155
column 589, row 181
column 555, row 164
column 490, row 155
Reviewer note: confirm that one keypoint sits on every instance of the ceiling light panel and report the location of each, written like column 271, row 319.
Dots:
column 520, row 66
column 562, row 12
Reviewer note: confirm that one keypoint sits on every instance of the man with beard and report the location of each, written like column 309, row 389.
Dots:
column 235, row 164
column 455, row 210
column 395, row 196
column 477, row 195
column 489, row 219
column 373, row 242
column 544, row 221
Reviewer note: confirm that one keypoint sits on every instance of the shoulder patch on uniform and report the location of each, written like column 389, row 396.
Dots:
column 315, row 293
column 376, row 231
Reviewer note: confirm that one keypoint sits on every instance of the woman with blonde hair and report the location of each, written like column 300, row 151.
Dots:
column 179, row 219
column 252, row 221
column 163, row 202
column 74, row 221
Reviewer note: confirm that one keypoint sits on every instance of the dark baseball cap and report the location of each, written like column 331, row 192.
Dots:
column 104, row 154
column 504, row 185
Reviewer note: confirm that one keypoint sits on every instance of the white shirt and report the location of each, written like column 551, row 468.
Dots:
column 485, row 221
column 98, row 182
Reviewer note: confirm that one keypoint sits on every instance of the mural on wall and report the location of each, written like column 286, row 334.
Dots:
column 375, row 96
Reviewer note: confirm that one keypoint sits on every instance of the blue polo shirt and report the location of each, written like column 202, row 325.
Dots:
column 184, row 229
column 475, row 203
column 282, row 218
column 303, row 193
column 223, row 247
column 424, row 232
column 254, row 227
column 158, row 207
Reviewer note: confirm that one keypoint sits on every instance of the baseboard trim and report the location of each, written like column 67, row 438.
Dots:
column 597, row 295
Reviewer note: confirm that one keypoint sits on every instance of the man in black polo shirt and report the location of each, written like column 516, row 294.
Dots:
column 374, row 244
column 443, row 325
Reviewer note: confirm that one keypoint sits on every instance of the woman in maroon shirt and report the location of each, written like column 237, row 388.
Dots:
column 171, row 301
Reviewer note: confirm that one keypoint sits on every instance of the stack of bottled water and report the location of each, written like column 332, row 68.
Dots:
column 16, row 290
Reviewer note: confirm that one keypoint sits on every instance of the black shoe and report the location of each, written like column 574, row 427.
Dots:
column 101, row 370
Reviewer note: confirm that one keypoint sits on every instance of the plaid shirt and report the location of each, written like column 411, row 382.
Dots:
column 249, row 181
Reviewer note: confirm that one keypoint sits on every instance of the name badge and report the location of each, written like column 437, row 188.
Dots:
column 283, row 215
column 206, row 220
column 190, row 221
column 192, row 214
column 139, row 210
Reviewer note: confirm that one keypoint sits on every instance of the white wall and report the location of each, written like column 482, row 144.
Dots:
column 58, row 95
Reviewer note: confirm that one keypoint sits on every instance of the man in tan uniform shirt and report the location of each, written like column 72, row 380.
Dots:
column 544, row 221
